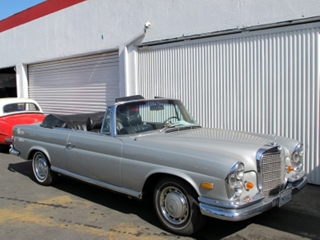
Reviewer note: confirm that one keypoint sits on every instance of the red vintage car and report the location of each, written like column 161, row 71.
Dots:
column 15, row 111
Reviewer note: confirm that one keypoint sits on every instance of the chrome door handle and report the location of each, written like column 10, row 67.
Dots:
column 70, row 145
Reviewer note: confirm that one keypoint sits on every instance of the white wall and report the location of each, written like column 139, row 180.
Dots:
column 99, row 25
column 22, row 81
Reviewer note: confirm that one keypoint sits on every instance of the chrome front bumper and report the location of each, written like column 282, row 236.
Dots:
column 248, row 211
column 13, row 151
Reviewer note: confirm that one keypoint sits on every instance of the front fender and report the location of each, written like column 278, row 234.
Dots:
column 194, row 179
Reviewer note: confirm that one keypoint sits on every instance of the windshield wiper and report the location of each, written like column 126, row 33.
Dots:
column 169, row 125
column 179, row 125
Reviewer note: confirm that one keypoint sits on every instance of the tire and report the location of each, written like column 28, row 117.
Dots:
column 41, row 169
column 176, row 206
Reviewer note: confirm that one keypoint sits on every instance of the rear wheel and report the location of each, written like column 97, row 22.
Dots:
column 176, row 205
column 41, row 169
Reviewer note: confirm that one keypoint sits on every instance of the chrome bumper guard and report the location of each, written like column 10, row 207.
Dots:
column 13, row 151
column 250, row 210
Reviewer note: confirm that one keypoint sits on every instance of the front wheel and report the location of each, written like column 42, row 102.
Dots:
column 41, row 169
column 176, row 206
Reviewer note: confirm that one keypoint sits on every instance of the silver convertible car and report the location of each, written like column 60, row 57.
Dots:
column 154, row 149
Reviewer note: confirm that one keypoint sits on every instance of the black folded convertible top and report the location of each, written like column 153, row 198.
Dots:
column 76, row 121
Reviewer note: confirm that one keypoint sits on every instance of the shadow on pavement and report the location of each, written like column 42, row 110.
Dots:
column 4, row 149
column 296, row 217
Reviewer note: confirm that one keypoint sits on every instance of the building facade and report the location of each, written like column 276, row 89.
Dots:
column 241, row 65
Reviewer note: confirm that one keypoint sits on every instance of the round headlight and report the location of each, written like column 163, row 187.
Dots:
column 238, row 189
column 297, row 153
column 234, row 180
column 296, row 158
column 240, row 172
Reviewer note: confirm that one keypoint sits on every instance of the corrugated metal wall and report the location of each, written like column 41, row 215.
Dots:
column 265, row 81
column 75, row 85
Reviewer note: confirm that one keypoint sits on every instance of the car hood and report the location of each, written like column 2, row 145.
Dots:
column 223, row 147
column 221, row 135
column 197, row 149
column 207, row 138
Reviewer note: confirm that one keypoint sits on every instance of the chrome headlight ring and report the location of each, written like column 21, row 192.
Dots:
column 296, row 157
column 234, row 181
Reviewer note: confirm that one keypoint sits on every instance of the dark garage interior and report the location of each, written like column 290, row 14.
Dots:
column 8, row 85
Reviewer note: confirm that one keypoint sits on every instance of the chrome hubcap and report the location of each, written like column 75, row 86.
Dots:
column 41, row 167
column 174, row 205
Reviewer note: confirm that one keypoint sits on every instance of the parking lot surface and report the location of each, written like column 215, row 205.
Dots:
column 75, row 210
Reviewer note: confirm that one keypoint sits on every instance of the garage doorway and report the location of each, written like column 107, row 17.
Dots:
column 82, row 84
column 8, row 84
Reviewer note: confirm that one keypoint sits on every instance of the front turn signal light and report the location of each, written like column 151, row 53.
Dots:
column 289, row 168
column 207, row 185
column 248, row 185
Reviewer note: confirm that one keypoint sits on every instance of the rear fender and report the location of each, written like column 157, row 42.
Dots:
column 35, row 149
column 5, row 132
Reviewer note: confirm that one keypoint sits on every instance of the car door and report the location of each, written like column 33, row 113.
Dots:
column 54, row 141
column 95, row 156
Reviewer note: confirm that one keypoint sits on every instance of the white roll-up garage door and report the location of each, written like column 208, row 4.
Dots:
column 263, row 81
column 76, row 85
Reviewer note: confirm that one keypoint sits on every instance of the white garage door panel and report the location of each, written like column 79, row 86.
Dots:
column 77, row 85
column 263, row 81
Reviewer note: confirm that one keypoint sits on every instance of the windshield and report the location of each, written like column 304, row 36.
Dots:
column 158, row 114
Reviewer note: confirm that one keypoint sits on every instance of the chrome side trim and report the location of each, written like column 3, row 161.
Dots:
column 124, row 191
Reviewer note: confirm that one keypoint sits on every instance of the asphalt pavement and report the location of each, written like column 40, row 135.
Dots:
column 74, row 210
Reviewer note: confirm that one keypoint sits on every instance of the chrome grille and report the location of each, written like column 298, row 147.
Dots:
column 271, row 173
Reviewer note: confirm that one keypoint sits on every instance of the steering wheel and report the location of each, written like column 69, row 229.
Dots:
column 169, row 119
